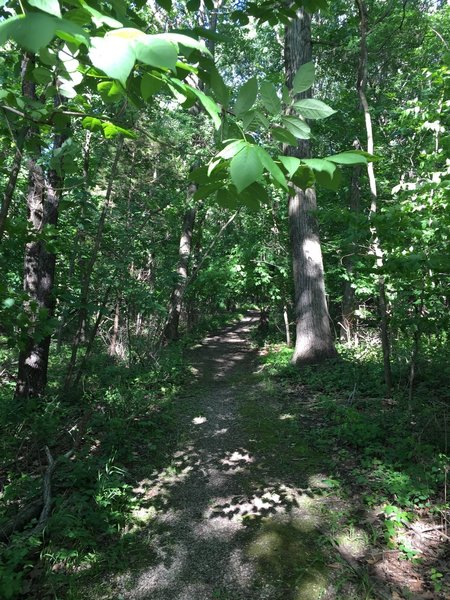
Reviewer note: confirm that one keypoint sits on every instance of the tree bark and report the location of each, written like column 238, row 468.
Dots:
column 12, row 181
column 347, row 324
column 314, row 341
column 39, row 268
column 171, row 328
column 87, row 275
column 377, row 250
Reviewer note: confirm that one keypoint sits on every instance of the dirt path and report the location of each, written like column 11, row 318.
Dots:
column 247, row 507
column 203, row 543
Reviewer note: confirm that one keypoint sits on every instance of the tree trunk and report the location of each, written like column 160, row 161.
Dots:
column 12, row 180
column 382, row 302
column 314, row 341
column 347, row 324
column 171, row 328
column 39, row 269
column 87, row 275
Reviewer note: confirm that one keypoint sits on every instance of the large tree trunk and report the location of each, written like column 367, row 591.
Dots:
column 314, row 341
column 39, row 267
column 376, row 247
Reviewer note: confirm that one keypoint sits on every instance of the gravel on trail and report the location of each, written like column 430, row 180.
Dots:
column 201, row 546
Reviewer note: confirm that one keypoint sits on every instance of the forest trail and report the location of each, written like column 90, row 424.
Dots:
column 212, row 538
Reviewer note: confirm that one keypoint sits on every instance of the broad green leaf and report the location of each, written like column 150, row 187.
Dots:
column 313, row 109
column 218, row 86
column 92, row 123
column 245, row 167
column 248, row 119
column 231, row 149
column 206, row 190
column 209, row 105
column 110, row 130
column 226, row 199
column 297, row 127
column 165, row 4
column 156, row 52
column 348, row 158
column 271, row 167
column 47, row 57
column 48, row 6
column 290, row 163
column 42, row 75
column 284, row 136
column 32, row 31
column 99, row 18
column 253, row 196
column 304, row 177
column 269, row 97
column 150, row 85
column 113, row 56
column 329, row 182
column 262, row 119
column 110, row 91
column 246, row 97
column 185, row 40
column 304, row 78
column 320, row 164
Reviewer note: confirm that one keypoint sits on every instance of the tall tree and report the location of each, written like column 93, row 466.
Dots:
column 314, row 340
column 44, row 193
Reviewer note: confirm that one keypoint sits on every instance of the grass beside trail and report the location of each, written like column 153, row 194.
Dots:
column 372, row 468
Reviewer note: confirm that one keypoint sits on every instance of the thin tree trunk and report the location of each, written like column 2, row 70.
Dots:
column 12, row 181
column 87, row 275
column 115, row 333
column 382, row 302
column 39, row 267
column 286, row 326
column 347, row 324
column 314, row 341
column 171, row 328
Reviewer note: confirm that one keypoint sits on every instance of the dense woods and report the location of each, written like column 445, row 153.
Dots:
column 168, row 167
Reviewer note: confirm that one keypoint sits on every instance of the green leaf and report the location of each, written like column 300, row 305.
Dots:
column 185, row 40
column 206, row 190
column 92, row 123
column 218, row 86
column 327, row 181
column 297, row 127
column 290, row 163
column 48, row 6
column 245, row 167
column 348, row 158
column 253, row 196
column 110, row 91
column 269, row 98
column 209, row 105
column 42, row 75
column 304, row 78
column 313, row 109
column 113, row 56
column 284, row 136
column 248, row 119
column 32, row 31
column 320, row 164
column 165, row 4
column 226, row 199
column 151, row 50
column 150, row 85
column 271, row 167
column 99, row 18
column 110, row 130
column 232, row 149
column 246, row 96
column 304, row 177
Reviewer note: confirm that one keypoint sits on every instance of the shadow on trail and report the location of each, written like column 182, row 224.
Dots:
column 243, row 508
